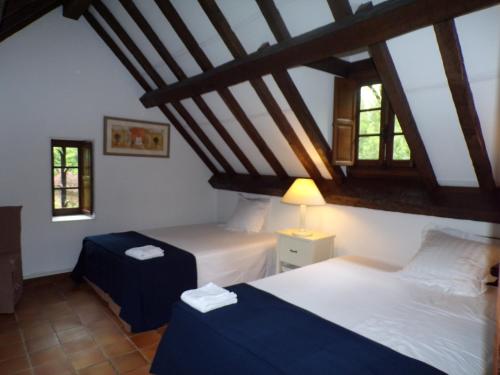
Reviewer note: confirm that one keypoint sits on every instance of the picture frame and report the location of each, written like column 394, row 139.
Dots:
column 128, row 137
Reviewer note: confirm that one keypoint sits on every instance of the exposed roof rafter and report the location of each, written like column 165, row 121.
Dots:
column 151, row 71
column 200, row 57
column 74, row 9
column 454, row 67
column 146, row 87
column 236, row 48
column 158, row 45
column 293, row 96
column 386, row 20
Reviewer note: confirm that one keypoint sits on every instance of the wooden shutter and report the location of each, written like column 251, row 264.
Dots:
column 344, row 121
column 87, row 195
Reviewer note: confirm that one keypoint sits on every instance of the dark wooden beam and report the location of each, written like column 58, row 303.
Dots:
column 151, row 71
column 293, row 96
column 146, row 87
column 454, row 67
column 17, row 14
column 397, row 96
column 158, row 45
column 362, row 71
column 236, row 48
column 399, row 196
column 74, row 9
column 2, row 7
column 385, row 21
column 200, row 57
column 332, row 65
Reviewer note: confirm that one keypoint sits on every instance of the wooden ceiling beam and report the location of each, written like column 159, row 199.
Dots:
column 2, row 7
column 454, row 67
column 293, row 96
column 399, row 196
column 151, row 71
column 17, row 14
column 201, row 58
column 396, row 94
column 236, row 48
column 158, row 45
column 146, row 87
column 74, row 9
column 385, row 21
column 332, row 65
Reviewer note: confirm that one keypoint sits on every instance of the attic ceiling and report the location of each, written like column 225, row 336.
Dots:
column 280, row 124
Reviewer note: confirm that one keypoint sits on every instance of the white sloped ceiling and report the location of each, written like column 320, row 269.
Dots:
column 416, row 56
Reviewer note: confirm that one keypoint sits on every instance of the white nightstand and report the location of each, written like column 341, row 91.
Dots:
column 294, row 251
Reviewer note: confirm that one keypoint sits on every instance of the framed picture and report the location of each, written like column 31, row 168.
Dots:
column 136, row 138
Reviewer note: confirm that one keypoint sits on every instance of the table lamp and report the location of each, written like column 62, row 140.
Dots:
column 303, row 192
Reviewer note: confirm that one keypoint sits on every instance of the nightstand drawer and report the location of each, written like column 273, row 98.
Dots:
column 294, row 252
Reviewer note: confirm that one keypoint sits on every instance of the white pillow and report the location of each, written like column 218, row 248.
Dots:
column 453, row 261
column 249, row 215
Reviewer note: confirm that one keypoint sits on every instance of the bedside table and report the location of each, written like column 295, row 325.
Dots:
column 295, row 251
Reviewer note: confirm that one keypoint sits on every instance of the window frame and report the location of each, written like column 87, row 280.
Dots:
column 386, row 135
column 56, row 212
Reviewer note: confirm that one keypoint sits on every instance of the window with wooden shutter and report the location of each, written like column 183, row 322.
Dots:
column 72, row 185
column 344, row 121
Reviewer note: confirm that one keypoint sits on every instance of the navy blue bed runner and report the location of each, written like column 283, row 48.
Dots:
column 263, row 334
column 146, row 289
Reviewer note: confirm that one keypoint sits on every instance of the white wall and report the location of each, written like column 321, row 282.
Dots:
column 58, row 80
column 389, row 236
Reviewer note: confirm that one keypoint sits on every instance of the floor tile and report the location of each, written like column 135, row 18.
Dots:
column 129, row 362
column 54, row 368
column 100, row 369
column 86, row 358
column 47, row 355
column 140, row 371
column 79, row 344
column 11, row 351
column 146, row 339
column 72, row 334
column 36, row 331
column 13, row 365
column 118, row 347
column 67, row 322
column 43, row 342
column 106, row 338
column 10, row 337
column 162, row 329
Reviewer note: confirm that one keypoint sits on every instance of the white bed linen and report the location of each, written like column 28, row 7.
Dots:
column 452, row 333
column 223, row 257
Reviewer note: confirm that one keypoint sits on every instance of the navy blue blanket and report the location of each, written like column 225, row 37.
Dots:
column 262, row 334
column 145, row 290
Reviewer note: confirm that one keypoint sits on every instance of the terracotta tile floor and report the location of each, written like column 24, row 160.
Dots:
column 60, row 328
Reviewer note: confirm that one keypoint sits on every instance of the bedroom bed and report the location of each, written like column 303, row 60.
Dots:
column 141, row 292
column 425, row 330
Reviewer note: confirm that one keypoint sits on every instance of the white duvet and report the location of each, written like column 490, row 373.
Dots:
column 452, row 333
column 222, row 257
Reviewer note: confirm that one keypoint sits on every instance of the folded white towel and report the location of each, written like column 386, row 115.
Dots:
column 209, row 297
column 145, row 252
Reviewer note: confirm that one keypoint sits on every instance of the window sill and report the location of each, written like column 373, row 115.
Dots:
column 57, row 219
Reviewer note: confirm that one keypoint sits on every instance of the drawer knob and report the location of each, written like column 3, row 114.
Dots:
column 293, row 251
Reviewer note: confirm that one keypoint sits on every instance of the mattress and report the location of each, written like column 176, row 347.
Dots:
column 223, row 257
column 452, row 333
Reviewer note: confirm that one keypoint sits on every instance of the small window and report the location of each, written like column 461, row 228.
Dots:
column 379, row 138
column 72, row 185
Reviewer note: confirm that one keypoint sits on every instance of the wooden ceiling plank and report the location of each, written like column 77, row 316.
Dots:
column 151, row 71
column 385, row 21
column 201, row 58
column 453, row 62
column 74, row 9
column 146, row 87
column 158, row 45
column 293, row 96
column 396, row 94
column 331, row 65
column 236, row 48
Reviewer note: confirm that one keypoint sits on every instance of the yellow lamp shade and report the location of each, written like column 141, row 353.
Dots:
column 303, row 191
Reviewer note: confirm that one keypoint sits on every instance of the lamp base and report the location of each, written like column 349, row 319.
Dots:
column 302, row 233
